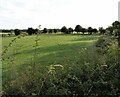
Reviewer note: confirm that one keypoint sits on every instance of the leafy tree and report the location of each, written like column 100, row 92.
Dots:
column 109, row 30
column 30, row 31
column 70, row 30
column 5, row 30
column 17, row 32
column 90, row 30
column 84, row 30
column 116, row 24
column 101, row 30
column 95, row 30
column 116, row 32
column 36, row 31
column 64, row 29
column 55, row 30
column 78, row 28
column 50, row 31
column 44, row 30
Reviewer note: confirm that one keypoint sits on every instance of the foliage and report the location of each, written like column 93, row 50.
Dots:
column 95, row 30
column 116, row 31
column 109, row 30
column 36, row 31
column 17, row 32
column 30, row 31
column 70, row 31
column 90, row 30
column 84, row 30
column 64, row 30
column 44, row 30
column 101, row 30
column 55, row 30
column 78, row 28
column 116, row 24
column 50, row 30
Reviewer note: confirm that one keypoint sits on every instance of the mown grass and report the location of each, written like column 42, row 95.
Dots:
column 50, row 49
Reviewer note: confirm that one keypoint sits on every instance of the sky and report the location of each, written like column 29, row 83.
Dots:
column 22, row 14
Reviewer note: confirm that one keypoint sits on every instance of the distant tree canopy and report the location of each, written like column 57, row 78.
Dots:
column 5, row 30
column 36, row 31
column 90, row 30
column 50, row 30
column 17, row 32
column 64, row 29
column 95, row 30
column 45, row 30
column 84, row 30
column 114, row 29
column 101, row 30
column 30, row 31
column 70, row 30
column 55, row 30
column 78, row 28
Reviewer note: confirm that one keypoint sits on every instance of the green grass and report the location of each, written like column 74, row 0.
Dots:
column 51, row 49
column 73, row 52
column 60, row 65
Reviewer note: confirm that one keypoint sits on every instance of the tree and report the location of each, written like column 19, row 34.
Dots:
column 5, row 30
column 44, row 30
column 109, row 30
column 70, row 30
column 50, row 31
column 30, row 31
column 17, row 32
column 90, row 30
column 84, row 30
column 78, row 28
column 116, row 24
column 101, row 30
column 55, row 30
column 95, row 30
column 64, row 29
column 36, row 31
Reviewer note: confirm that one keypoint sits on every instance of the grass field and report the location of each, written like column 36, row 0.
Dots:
column 51, row 49
column 30, row 59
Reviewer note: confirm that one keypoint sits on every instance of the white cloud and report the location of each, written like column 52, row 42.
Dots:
column 57, row 13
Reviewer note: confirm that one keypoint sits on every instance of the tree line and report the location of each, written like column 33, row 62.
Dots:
column 110, row 30
column 64, row 30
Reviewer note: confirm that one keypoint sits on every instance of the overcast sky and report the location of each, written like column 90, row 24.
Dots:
column 57, row 13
